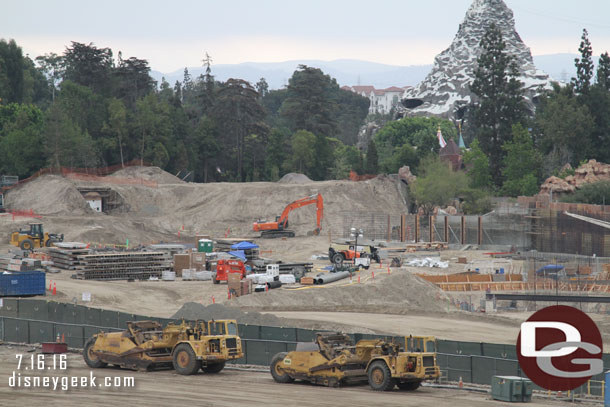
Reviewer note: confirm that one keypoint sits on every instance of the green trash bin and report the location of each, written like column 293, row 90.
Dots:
column 511, row 388
column 205, row 246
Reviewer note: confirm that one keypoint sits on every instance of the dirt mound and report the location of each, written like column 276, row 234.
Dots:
column 294, row 178
column 48, row 195
column 399, row 293
column 194, row 311
column 148, row 173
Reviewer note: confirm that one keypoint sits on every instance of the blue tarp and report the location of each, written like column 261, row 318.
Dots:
column 238, row 253
column 550, row 269
column 244, row 246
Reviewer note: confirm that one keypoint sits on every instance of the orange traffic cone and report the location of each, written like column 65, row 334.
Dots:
column 63, row 340
column 380, row 263
column 461, row 383
column 228, row 294
column 389, row 270
column 358, row 278
column 54, row 289
column 50, row 286
column 373, row 275
column 57, row 340
column 213, row 300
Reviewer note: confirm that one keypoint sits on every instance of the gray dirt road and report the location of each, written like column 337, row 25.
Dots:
column 228, row 388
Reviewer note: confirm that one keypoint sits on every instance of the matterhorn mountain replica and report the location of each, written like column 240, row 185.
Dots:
column 447, row 86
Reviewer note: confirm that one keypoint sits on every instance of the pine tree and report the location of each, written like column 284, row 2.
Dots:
column 603, row 71
column 500, row 99
column 584, row 65
column 372, row 159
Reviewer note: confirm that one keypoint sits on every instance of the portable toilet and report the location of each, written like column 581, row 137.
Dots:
column 205, row 246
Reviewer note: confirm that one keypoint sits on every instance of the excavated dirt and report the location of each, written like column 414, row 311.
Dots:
column 398, row 293
column 48, row 195
column 294, row 178
column 148, row 173
column 194, row 311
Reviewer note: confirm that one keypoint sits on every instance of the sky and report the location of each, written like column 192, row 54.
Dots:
column 172, row 35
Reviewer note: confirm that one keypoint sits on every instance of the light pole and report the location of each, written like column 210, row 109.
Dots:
column 356, row 234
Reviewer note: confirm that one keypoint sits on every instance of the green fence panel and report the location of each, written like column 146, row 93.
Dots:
column 59, row 312
column 497, row 350
column 305, row 335
column 506, row 367
column 79, row 313
column 41, row 332
column 142, row 318
column 73, row 334
column 93, row 316
column 124, row 318
column 450, row 347
column 249, row 331
column 274, row 333
column 89, row 331
column 2, row 329
column 456, row 366
column 483, row 369
column 255, row 351
column 33, row 309
column 470, row 348
column 9, row 308
column 16, row 330
column 109, row 318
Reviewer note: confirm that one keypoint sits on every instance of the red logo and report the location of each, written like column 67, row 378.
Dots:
column 560, row 348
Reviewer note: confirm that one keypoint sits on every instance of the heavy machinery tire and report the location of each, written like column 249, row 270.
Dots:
column 409, row 386
column 213, row 367
column 215, row 281
column 276, row 370
column 337, row 258
column 27, row 244
column 185, row 361
column 90, row 359
column 380, row 378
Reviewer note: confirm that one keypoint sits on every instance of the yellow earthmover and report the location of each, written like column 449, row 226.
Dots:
column 333, row 360
column 187, row 347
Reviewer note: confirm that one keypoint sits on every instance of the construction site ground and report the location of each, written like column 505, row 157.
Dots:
column 227, row 389
column 174, row 211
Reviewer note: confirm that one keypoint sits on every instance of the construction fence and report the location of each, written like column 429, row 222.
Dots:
column 36, row 321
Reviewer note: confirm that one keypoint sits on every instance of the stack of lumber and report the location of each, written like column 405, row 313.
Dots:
column 122, row 265
column 11, row 264
column 65, row 256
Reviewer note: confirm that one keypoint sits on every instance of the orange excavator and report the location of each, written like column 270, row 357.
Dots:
column 279, row 228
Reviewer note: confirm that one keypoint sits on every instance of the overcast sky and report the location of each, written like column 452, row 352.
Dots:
column 172, row 35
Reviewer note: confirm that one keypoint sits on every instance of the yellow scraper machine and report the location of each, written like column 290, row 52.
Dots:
column 333, row 360
column 186, row 347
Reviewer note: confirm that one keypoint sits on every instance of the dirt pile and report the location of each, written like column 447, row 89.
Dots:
column 587, row 173
column 399, row 293
column 294, row 178
column 48, row 195
column 194, row 311
column 148, row 173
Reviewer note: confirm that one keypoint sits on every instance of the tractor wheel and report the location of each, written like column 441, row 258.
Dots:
column 49, row 243
column 337, row 259
column 185, row 361
column 91, row 359
column 213, row 367
column 216, row 281
column 27, row 244
column 380, row 378
column 409, row 386
column 276, row 369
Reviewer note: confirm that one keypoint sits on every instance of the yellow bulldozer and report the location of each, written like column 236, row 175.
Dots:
column 334, row 360
column 186, row 347
column 34, row 237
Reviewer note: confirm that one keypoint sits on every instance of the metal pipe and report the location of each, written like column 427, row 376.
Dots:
column 325, row 278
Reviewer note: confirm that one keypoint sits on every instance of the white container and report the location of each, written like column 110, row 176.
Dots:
column 202, row 275
column 168, row 276
column 273, row 270
column 187, row 274
column 287, row 279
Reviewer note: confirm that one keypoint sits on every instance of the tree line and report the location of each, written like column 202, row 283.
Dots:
column 87, row 108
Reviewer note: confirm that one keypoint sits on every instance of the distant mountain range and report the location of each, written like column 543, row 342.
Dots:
column 352, row 72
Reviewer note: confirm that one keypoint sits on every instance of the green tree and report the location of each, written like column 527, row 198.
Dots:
column 262, row 87
column 309, row 104
column 372, row 159
column 303, row 151
column 87, row 65
column 401, row 156
column 11, row 72
column 347, row 158
column 116, row 124
column 522, row 164
column 238, row 114
column 207, row 144
column 603, row 71
column 132, row 80
column 151, row 127
column 277, row 152
column 563, row 127
column 499, row 95
column 52, row 66
column 437, row 184
column 477, row 165
column 595, row 193
column 584, row 65
column 21, row 129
